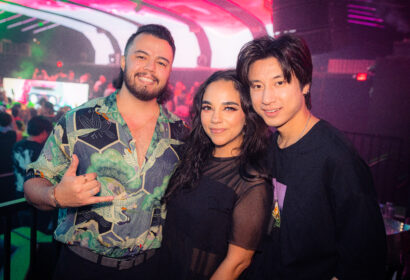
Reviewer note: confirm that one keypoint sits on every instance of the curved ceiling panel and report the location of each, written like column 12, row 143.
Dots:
column 207, row 33
column 97, row 39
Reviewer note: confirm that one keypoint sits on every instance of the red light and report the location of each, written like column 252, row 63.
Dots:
column 59, row 64
column 361, row 77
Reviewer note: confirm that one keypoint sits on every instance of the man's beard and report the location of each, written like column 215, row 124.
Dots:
column 141, row 92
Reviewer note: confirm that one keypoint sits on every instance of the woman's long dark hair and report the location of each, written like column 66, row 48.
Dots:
column 199, row 148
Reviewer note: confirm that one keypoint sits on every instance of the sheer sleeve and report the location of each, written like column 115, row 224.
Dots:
column 251, row 215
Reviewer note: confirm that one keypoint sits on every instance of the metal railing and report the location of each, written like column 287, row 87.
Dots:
column 7, row 211
column 388, row 158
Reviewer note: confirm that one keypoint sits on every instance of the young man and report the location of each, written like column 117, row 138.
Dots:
column 107, row 164
column 326, row 219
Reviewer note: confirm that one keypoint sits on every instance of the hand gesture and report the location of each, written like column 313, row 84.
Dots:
column 75, row 191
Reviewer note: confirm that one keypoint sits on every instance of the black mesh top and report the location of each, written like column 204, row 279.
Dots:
column 200, row 224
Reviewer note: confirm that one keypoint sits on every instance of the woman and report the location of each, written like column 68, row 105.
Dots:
column 219, row 199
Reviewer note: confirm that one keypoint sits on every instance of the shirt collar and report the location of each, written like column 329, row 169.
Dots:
column 110, row 109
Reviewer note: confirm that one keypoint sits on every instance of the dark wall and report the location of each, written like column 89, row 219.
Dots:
column 342, row 101
column 389, row 107
column 380, row 105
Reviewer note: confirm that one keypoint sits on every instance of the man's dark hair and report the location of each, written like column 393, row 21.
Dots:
column 156, row 30
column 36, row 125
column 15, row 110
column 33, row 112
column 49, row 107
column 292, row 53
column 42, row 101
column 5, row 119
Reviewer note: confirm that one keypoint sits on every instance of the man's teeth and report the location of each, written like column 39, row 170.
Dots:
column 146, row 79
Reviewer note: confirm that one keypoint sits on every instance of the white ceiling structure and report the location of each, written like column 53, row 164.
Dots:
column 207, row 33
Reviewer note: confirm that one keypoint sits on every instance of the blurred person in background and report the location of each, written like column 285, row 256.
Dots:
column 3, row 98
column 71, row 76
column 109, row 90
column 15, row 111
column 61, row 112
column 8, row 138
column 23, row 153
column 28, row 150
column 40, row 75
column 17, row 122
column 48, row 111
column 99, row 87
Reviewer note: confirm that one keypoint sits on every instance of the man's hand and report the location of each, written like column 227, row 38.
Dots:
column 75, row 191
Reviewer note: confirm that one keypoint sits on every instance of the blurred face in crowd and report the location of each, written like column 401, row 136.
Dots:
column 222, row 117
column 147, row 66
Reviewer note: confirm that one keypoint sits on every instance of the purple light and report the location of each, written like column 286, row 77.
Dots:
column 360, row 12
column 365, row 18
column 361, row 7
column 45, row 28
column 365, row 23
column 20, row 23
column 10, row 18
column 32, row 26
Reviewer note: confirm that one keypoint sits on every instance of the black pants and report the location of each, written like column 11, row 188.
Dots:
column 71, row 266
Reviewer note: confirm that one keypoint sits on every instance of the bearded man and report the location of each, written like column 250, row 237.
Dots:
column 106, row 166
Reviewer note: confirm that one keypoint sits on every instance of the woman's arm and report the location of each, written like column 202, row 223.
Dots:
column 235, row 262
column 250, row 217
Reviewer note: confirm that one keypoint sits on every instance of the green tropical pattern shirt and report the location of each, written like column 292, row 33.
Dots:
column 101, row 139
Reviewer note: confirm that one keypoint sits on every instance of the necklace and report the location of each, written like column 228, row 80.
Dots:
column 301, row 134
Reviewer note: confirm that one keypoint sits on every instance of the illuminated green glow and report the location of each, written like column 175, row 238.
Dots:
column 40, row 24
column 27, row 65
column 37, row 52
column 26, row 70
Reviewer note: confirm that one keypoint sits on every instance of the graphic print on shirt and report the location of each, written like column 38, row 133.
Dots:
column 279, row 191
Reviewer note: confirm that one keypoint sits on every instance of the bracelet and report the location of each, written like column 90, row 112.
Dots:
column 53, row 196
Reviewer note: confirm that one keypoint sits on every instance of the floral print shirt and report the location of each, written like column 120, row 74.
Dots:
column 101, row 139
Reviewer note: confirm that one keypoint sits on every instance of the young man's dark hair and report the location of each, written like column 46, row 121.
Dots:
column 37, row 125
column 291, row 52
column 155, row 30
